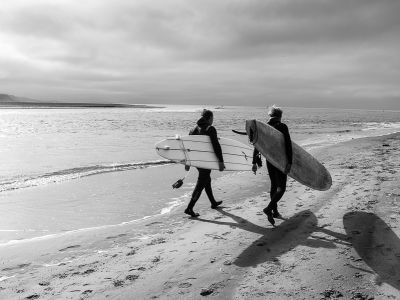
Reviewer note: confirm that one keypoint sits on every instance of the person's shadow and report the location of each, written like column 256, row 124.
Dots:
column 376, row 243
column 275, row 241
column 373, row 240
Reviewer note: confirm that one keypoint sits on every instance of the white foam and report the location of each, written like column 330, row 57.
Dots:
column 177, row 202
column 145, row 237
column 2, row 278
column 75, row 173
column 57, row 264
column 171, row 205
column 381, row 125
column 71, row 232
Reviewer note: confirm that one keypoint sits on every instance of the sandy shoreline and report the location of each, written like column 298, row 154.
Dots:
column 342, row 243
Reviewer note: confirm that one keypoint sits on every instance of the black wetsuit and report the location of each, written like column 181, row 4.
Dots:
column 204, row 179
column 277, row 177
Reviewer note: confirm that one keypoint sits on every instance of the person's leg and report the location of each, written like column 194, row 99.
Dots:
column 272, row 173
column 281, row 179
column 274, row 186
column 196, row 193
column 209, row 192
column 280, row 191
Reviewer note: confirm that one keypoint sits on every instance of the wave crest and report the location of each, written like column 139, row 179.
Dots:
column 74, row 173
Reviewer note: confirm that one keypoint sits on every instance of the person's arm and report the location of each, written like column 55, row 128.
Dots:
column 255, row 153
column 288, row 147
column 191, row 132
column 212, row 133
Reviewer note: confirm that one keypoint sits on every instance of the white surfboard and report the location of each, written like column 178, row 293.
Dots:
column 197, row 151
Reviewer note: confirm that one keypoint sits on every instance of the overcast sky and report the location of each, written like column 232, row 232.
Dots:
column 318, row 53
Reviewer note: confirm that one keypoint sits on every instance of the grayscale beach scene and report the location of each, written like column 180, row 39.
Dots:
column 127, row 170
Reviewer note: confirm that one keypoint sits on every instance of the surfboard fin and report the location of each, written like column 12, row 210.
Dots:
column 239, row 132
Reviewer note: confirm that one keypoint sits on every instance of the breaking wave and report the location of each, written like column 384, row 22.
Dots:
column 74, row 173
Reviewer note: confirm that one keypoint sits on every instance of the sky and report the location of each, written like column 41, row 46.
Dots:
column 304, row 53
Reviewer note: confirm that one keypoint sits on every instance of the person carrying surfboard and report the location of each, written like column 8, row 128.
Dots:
column 278, row 178
column 204, row 127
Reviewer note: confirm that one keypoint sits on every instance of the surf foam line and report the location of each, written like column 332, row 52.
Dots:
column 173, row 204
column 75, row 173
column 333, row 139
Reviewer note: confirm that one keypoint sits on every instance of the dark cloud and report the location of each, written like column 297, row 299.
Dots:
column 199, row 51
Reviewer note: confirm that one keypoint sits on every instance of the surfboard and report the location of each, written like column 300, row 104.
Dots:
column 306, row 169
column 197, row 151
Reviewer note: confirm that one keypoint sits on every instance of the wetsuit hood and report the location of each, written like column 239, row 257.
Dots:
column 203, row 123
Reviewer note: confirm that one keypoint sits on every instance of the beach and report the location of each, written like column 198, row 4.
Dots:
column 106, row 192
column 340, row 243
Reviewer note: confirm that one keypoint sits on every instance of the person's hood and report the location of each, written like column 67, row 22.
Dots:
column 202, row 123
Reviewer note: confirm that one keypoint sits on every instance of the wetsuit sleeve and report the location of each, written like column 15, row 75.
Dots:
column 193, row 131
column 255, row 153
column 212, row 133
column 288, row 142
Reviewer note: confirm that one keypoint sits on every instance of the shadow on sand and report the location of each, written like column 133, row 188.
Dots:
column 376, row 243
column 275, row 241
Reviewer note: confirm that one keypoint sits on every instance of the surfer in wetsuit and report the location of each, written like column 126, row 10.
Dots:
column 278, row 178
column 204, row 127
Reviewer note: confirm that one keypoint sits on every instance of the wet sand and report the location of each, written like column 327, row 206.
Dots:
column 342, row 243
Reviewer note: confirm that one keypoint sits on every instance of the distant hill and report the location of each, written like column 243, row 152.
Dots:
column 10, row 101
column 5, row 98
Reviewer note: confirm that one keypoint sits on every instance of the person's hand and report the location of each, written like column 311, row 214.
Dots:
column 221, row 166
column 287, row 169
column 254, row 169
column 187, row 168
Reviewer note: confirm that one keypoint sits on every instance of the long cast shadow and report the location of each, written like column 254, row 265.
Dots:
column 276, row 241
column 376, row 243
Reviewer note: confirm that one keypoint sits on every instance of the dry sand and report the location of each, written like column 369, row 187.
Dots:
column 338, row 244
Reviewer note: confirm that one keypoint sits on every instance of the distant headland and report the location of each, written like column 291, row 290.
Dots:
column 10, row 101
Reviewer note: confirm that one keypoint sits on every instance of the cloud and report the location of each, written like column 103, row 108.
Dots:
column 190, row 51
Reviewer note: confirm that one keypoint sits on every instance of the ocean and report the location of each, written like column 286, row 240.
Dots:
column 70, row 170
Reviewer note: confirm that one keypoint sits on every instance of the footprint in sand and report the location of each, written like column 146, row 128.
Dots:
column 88, row 271
column 132, row 252
column 87, row 292
column 69, row 247
column 184, row 285
column 154, row 223
column 116, row 236
column 20, row 266
column 118, row 283
column 156, row 241
column 132, row 277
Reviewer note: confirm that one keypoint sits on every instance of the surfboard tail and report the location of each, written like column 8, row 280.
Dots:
column 252, row 132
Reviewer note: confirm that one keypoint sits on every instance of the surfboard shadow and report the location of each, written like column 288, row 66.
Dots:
column 376, row 243
column 275, row 241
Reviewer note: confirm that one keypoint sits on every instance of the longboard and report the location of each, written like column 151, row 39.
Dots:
column 306, row 169
column 197, row 151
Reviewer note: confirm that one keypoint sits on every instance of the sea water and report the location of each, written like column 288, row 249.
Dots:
column 69, row 170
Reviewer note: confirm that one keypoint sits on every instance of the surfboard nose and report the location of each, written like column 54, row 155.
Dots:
column 251, row 129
